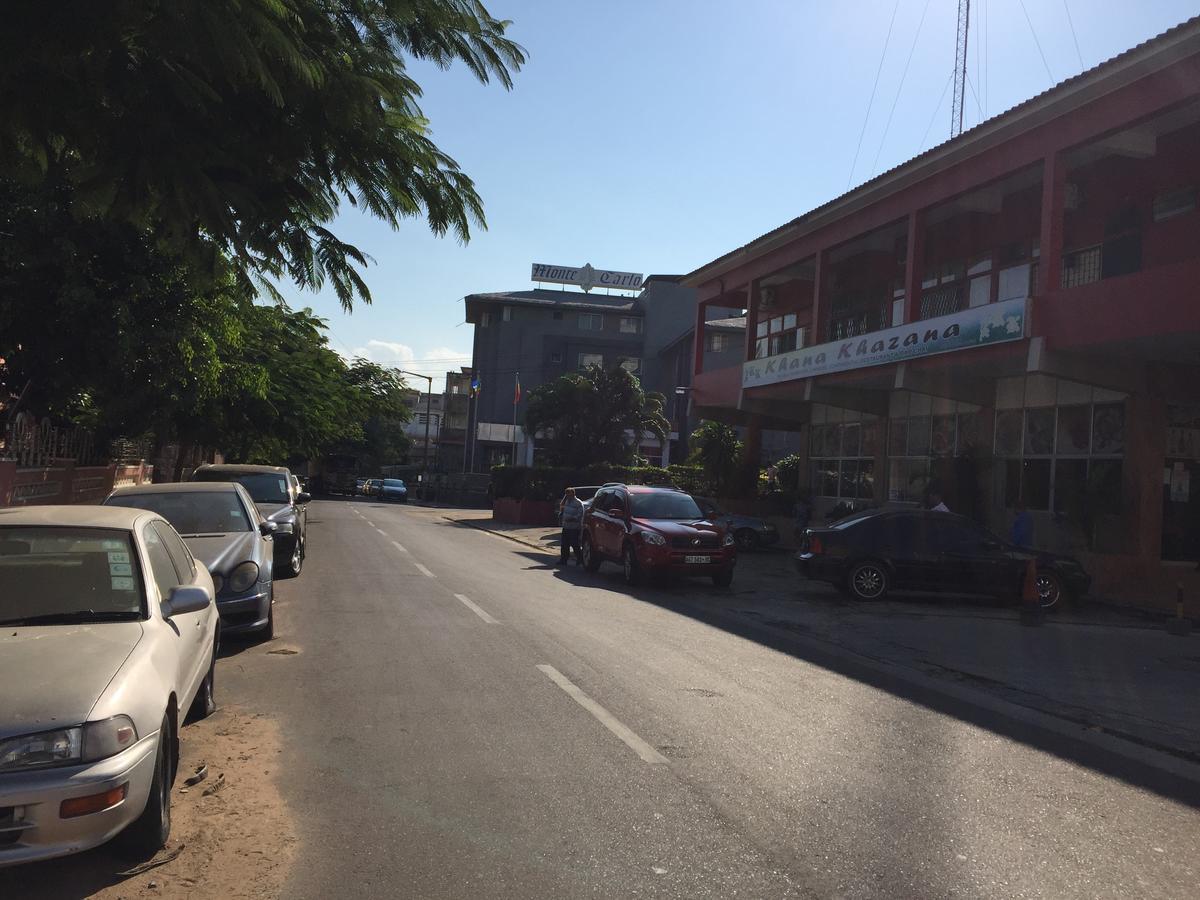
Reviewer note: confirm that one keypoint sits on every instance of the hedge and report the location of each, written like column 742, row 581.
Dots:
column 548, row 483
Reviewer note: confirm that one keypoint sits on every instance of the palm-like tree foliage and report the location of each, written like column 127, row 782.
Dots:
column 717, row 449
column 239, row 126
column 597, row 416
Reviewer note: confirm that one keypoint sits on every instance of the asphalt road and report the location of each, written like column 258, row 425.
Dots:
column 462, row 719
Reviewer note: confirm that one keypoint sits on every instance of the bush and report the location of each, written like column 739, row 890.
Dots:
column 549, row 482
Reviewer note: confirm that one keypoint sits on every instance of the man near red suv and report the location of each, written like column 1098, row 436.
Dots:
column 652, row 530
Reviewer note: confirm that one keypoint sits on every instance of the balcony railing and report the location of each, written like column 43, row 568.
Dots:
column 854, row 324
column 1082, row 266
column 942, row 301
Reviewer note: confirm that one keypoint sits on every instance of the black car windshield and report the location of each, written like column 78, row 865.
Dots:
column 51, row 575
column 263, row 487
column 665, row 505
column 192, row 513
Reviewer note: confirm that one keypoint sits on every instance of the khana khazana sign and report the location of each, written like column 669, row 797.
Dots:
column 977, row 327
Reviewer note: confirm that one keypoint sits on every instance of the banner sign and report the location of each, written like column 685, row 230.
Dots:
column 587, row 277
column 994, row 323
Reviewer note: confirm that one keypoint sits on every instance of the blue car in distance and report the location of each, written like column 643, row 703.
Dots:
column 393, row 489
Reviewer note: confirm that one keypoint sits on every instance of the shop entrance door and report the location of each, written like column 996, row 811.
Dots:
column 1181, row 510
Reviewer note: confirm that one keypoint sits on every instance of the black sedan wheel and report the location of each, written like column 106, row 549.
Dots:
column 1049, row 589
column 868, row 581
column 746, row 539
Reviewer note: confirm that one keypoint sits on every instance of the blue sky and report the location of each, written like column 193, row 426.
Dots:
column 655, row 135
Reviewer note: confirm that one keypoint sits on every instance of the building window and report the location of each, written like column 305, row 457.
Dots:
column 591, row 359
column 631, row 325
column 1065, row 456
column 556, row 357
column 631, row 364
column 778, row 335
column 843, row 459
column 506, row 314
column 557, row 315
column 454, row 389
column 485, row 319
column 719, row 343
column 591, row 321
column 1080, row 267
column 1169, row 204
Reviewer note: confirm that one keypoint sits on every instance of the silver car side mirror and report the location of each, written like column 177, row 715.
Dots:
column 185, row 598
column 267, row 528
column 284, row 528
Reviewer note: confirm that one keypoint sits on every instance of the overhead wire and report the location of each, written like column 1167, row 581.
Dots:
column 978, row 105
column 896, row 100
column 1074, row 36
column 867, row 118
column 1037, row 43
column 936, row 109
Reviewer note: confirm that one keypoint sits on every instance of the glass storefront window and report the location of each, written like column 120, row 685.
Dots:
column 1008, row 432
column 897, row 437
column 851, row 439
column 919, row 436
column 871, row 430
column 942, row 443
column 1108, row 429
column 843, row 463
column 1039, row 432
column 1074, row 430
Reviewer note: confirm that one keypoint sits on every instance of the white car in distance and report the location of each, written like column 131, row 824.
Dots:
column 108, row 640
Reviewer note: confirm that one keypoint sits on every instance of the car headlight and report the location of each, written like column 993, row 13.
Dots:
column 728, row 542
column 67, row 746
column 652, row 537
column 241, row 578
column 218, row 583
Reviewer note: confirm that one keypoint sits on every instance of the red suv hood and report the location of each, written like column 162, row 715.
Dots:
column 675, row 528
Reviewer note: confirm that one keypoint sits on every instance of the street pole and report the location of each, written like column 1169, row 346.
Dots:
column 516, row 381
column 428, row 400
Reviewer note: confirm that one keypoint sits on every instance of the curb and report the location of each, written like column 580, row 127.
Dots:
column 1133, row 759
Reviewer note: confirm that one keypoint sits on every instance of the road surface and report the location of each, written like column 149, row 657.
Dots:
column 463, row 719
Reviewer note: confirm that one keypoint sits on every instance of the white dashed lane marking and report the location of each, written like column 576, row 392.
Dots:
column 604, row 717
column 476, row 609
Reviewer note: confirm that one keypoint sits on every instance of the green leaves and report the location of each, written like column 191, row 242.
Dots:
column 596, row 417
column 240, row 125
column 716, row 448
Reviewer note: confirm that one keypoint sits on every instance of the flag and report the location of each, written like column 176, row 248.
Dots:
column 476, row 385
column 517, row 391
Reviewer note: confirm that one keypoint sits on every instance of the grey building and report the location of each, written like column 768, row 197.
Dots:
column 537, row 335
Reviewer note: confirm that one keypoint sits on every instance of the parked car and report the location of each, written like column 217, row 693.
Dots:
column 871, row 553
column 109, row 638
column 750, row 532
column 655, row 530
column 393, row 489
column 359, row 484
column 371, row 487
column 276, row 497
column 224, row 530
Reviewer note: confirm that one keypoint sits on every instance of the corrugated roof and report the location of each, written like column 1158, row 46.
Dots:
column 1192, row 24
column 733, row 323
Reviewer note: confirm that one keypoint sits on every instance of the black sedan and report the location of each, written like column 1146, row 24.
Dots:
column 871, row 553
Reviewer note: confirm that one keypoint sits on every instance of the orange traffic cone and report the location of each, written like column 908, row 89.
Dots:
column 1031, row 608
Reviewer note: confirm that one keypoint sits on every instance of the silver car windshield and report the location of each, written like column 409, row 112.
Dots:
column 191, row 514
column 51, row 575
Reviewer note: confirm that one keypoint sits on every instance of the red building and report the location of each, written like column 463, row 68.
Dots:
column 1012, row 317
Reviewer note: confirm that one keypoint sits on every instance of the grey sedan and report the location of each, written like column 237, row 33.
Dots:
column 224, row 530
column 750, row 532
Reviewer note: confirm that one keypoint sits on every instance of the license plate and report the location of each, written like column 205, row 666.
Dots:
column 697, row 559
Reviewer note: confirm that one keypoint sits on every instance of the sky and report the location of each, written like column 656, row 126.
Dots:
column 653, row 136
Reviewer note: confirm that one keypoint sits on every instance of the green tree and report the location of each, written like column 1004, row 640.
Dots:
column 236, row 128
column 718, row 451
column 598, row 416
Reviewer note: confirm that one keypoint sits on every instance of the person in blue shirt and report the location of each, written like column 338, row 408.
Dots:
column 1022, row 527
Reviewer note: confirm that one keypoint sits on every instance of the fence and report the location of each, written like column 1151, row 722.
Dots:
column 65, row 482
column 31, row 443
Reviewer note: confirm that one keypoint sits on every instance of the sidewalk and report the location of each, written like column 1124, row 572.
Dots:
column 1096, row 667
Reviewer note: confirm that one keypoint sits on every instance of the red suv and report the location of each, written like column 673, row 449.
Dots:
column 651, row 530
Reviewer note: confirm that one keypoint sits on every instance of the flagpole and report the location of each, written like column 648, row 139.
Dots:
column 516, row 400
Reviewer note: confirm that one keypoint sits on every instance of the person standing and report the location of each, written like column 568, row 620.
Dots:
column 572, row 524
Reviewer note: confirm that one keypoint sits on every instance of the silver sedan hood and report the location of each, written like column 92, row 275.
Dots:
column 221, row 552
column 52, row 675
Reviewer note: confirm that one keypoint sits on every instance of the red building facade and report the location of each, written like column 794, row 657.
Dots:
column 1010, row 318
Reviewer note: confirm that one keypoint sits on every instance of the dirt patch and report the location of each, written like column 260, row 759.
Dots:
column 231, row 831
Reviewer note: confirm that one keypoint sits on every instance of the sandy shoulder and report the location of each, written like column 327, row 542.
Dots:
column 232, row 831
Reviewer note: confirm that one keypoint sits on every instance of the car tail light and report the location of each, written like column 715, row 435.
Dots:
column 815, row 547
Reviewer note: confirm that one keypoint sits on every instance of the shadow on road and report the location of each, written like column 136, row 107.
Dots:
column 677, row 596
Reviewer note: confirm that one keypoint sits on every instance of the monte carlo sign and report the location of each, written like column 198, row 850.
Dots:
column 977, row 327
column 587, row 277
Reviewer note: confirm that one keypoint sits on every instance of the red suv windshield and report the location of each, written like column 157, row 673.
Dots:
column 664, row 505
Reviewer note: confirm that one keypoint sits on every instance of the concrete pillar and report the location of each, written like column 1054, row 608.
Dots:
column 818, row 308
column 752, row 446
column 698, row 339
column 1141, row 473
column 751, row 319
column 914, row 265
column 1054, row 189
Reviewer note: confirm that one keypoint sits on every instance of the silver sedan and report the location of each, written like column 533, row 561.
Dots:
column 109, row 638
